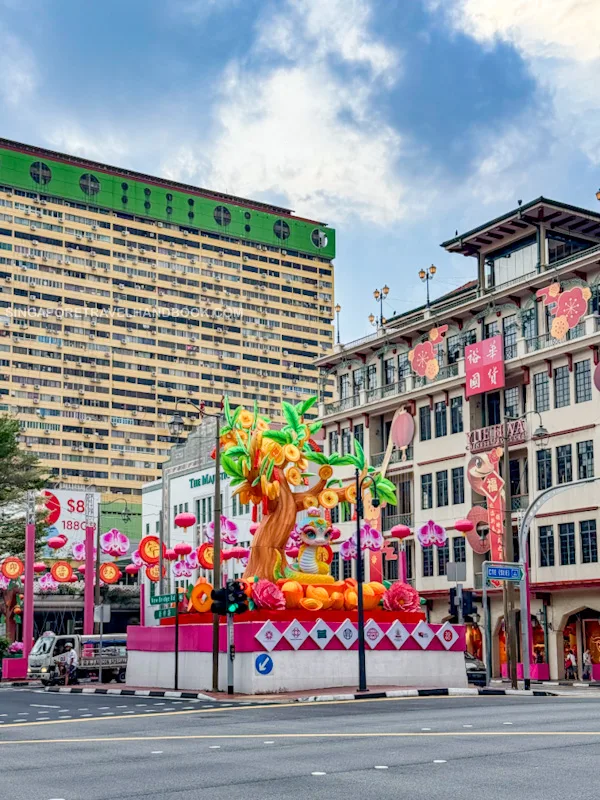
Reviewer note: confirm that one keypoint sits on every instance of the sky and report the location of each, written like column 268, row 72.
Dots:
column 398, row 122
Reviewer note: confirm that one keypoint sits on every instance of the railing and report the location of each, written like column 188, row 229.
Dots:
column 342, row 405
column 545, row 340
column 397, row 457
column 510, row 351
column 519, row 502
column 388, row 522
column 449, row 371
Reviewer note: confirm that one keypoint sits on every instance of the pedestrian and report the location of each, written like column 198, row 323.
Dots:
column 570, row 666
column 587, row 665
column 71, row 662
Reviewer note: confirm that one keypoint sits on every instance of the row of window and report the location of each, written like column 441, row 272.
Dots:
column 440, row 416
column 457, row 479
column 588, row 544
column 582, row 386
column 442, row 554
column 564, row 464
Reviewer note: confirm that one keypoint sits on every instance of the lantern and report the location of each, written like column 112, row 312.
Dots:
column 185, row 520
column 597, row 377
column 39, row 567
column 464, row 525
column 56, row 542
column 253, row 528
column 132, row 569
column 170, row 555
column 402, row 431
column 183, row 548
column 400, row 532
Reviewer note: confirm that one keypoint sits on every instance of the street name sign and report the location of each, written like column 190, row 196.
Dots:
column 503, row 571
column 163, row 599
column 162, row 613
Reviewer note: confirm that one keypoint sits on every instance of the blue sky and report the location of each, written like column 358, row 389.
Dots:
column 396, row 121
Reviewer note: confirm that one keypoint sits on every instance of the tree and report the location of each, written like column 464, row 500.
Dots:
column 264, row 463
column 20, row 471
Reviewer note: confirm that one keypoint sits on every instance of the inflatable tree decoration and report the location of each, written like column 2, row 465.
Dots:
column 266, row 464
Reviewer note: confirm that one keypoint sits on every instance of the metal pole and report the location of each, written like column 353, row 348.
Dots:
column 230, row 653
column 100, row 653
column 161, row 586
column 217, row 552
column 97, row 600
column 88, row 591
column 508, row 588
column 487, row 628
column 427, row 284
column 459, row 602
column 362, row 669
column 29, row 561
column 176, row 640
column 403, row 576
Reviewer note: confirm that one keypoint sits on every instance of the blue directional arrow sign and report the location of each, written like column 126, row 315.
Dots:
column 263, row 664
column 504, row 571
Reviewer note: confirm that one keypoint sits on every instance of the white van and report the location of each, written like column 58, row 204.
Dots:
column 42, row 658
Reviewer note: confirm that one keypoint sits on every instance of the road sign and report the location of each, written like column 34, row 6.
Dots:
column 456, row 571
column 102, row 613
column 163, row 599
column 503, row 571
column 263, row 664
column 162, row 613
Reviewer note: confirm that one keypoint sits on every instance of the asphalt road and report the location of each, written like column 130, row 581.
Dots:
column 429, row 748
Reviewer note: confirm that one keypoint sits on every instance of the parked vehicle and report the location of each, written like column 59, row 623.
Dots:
column 49, row 647
column 475, row 670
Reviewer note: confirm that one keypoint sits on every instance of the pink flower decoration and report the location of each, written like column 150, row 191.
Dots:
column 191, row 561
column 431, row 533
column 137, row 559
column 348, row 549
column 4, row 582
column 401, row 597
column 181, row 570
column 114, row 543
column 267, row 595
column 421, row 356
column 572, row 305
column 229, row 531
column 47, row 583
column 370, row 538
column 78, row 551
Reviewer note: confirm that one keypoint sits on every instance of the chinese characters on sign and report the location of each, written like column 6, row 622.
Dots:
column 482, row 439
column 484, row 366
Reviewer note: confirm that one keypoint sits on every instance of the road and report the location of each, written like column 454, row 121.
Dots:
column 538, row 748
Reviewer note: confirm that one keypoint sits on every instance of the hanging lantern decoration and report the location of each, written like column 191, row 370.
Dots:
column 402, row 431
column 170, row 555
column 597, row 377
column 39, row 567
column 185, row 520
column 62, row 572
column 132, row 569
column 56, row 542
column 464, row 525
column 183, row 548
column 12, row 568
column 400, row 532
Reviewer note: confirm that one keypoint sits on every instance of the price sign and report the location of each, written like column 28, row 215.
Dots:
column 68, row 511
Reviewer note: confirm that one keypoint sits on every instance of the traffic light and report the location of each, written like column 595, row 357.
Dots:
column 237, row 602
column 219, row 598
column 468, row 604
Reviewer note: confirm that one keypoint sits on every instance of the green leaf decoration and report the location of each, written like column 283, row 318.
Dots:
column 291, row 416
column 236, row 416
column 334, row 482
column 308, row 403
column 314, row 457
column 225, row 429
column 281, row 437
column 315, row 426
column 271, row 462
column 236, row 450
column 256, row 481
column 359, row 454
column 227, row 409
column 236, row 481
column 231, row 467
column 342, row 461
column 255, row 414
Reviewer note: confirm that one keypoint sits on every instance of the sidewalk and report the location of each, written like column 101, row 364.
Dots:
column 336, row 694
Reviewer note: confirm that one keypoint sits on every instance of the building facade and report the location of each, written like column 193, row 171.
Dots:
column 548, row 381
column 123, row 295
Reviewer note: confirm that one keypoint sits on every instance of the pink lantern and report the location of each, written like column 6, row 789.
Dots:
column 185, row 520
column 183, row 549
column 73, row 579
column 132, row 569
column 464, row 525
column 334, row 534
column 56, row 542
column 39, row 567
column 170, row 555
column 400, row 531
column 81, row 569
column 402, row 430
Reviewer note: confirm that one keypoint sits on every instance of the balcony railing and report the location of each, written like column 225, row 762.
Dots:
column 545, row 340
column 519, row 502
column 342, row 405
column 397, row 457
column 388, row 522
column 449, row 371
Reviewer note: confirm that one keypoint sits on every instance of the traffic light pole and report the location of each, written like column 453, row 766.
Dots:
column 230, row 653
column 459, row 603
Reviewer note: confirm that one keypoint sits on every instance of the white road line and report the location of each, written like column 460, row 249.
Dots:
column 507, row 723
column 380, row 767
column 41, row 705
column 23, row 714
column 83, row 709
column 156, row 752
column 425, row 729
column 439, row 761
column 86, row 715
column 318, row 773
column 268, row 742
column 214, row 747
column 467, row 726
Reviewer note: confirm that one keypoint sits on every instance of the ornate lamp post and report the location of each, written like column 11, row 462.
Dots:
column 426, row 276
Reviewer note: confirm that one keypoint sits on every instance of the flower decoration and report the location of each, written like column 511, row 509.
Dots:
column 137, row 559
column 420, row 356
column 431, row 533
column 191, row 561
column 401, row 597
column 3, row 582
column 371, row 538
column 229, row 531
column 47, row 583
column 78, row 551
column 114, row 543
column 181, row 570
column 16, row 647
column 268, row 595
column 348, row 549
column 568, row 307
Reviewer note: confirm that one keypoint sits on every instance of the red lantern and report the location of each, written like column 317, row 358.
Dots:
column 132, row 569
column 183, row 549
column 334, row 534
column 56, row 542
column 39, row 567
column 74, row 579
column 81, row 569
column 185, row 520
column 170, row 555
column 400, row 532
column 402, row 430
column 464, row 525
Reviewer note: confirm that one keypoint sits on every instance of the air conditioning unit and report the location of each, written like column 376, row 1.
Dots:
column 284, row 252
column 46, row 432
column 120, row 285
column 35, row 402
column 124, row 233
column 131, row 248
column 28, row 444
column 128, row 440
column 159, row 225
column 69, row 249
column 82, row 391
column 94, row 227
column 153, row 279
column 43, row 202
column 27, row 212
column 79, row 237
column 92, row 254
column 134, row 413
column 36, row 387
column 244, row 258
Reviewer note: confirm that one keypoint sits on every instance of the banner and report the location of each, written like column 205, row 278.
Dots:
column 484, row 366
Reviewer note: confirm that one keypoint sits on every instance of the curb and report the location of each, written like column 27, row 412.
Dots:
column 20, row 684
column 318, row 698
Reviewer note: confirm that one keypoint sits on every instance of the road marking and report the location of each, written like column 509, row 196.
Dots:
column 425, row 729
column 41, row 705
column 268, row 742
column 380, row 767
column 23, row 714
column 467, row 726
column 439, row 761
column 236, row 736
column 507, row 723
column 156, row 753
column 318, row 773
column 215, row 747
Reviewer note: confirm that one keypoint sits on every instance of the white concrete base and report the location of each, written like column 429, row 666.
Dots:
column 295, row 671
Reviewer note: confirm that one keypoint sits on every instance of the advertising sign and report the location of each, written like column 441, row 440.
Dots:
column 67, row 513
column 484, row 366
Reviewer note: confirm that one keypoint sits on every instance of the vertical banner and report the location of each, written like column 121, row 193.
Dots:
column 484, row 478
column 484, row 366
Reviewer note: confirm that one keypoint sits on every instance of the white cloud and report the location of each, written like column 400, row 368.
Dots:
column 560, row 42
column 299, row 130
column 18, row 71
column 68, row 136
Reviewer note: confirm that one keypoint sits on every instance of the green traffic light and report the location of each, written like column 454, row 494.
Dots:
column 232, row 608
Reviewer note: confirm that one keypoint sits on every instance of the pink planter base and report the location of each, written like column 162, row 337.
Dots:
column 538, row 672
column 14, row 669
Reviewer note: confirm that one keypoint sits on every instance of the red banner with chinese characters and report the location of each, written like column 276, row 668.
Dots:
column 484, row 366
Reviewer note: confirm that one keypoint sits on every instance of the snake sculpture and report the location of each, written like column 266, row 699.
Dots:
column 315, row 533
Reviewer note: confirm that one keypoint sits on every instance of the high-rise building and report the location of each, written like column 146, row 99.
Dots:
column 124, row 295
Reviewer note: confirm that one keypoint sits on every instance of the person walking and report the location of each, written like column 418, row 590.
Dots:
column 570, row 666
column 587, row 665
column 71, row 662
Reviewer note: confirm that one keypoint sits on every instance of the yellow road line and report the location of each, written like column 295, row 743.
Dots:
column 235, row 736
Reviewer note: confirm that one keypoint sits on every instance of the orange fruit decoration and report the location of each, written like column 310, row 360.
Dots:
column 320, row 594
column 246, row 418
column 370, row 599
column 291, row 452
column 302, row 464
column 351, row 583
column 337, row 601
column 310, row 604
column 378, row 588
column 310, row 501
column 328, row 498
column 350, row 494
column 293, row 593
column 350, row 599
column 325, row 472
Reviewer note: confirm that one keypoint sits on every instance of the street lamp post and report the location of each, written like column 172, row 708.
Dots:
column 508, row 594
column 426, row 276
column 176, row 426
column 360, row 577
column 379, row 295
column 338, row 308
